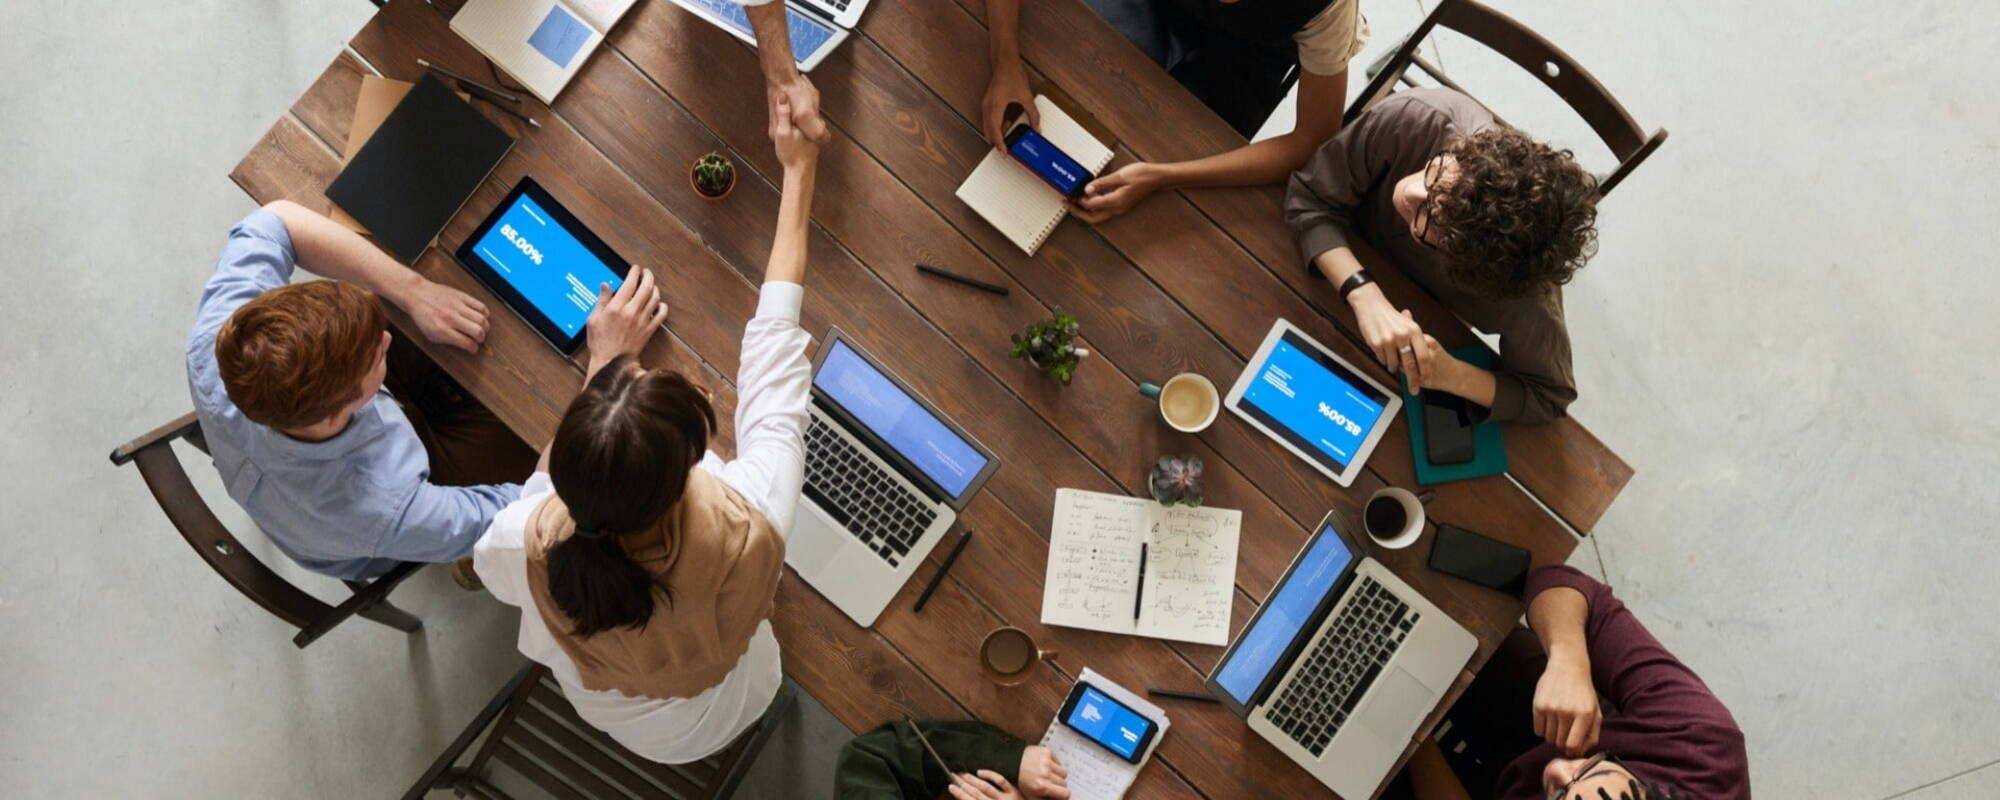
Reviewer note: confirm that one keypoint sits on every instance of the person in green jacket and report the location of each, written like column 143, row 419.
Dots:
column 890, row 763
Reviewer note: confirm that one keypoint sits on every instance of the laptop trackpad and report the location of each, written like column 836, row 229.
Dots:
column 1400, row 704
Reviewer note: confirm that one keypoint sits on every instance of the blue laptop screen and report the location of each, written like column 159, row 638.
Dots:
column 898, row 419
column 548, row 265
column 1283, row 616
column 807, row 33
column 1313, row 401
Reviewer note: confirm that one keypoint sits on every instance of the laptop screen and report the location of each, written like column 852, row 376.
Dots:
column 1284, row 615
column 897, row 419
column 807, row 33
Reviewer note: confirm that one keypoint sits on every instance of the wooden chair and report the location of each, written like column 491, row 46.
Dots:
column 153, row 453
column 538, row 735
column 1606, row 117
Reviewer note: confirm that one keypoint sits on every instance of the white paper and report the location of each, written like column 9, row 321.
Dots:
column 1009, row 195
column 1093, row 571
column 1094, row 773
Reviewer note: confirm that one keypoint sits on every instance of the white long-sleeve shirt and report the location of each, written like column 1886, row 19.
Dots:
column 773, row 385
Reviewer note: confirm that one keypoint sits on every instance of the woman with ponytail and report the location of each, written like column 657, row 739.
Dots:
column 645, row 566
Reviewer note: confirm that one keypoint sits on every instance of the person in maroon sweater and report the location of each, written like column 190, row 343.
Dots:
column 1658, row 733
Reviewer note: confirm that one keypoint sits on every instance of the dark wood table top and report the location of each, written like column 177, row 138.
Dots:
column 1187, row 281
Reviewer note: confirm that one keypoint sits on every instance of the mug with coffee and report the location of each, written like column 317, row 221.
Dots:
column 1393, row 517
column 1008, row 653
column 1188, row 402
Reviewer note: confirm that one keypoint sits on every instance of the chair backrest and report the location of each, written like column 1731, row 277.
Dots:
column 154, row 455
column 1628, row 142
column 539, row 736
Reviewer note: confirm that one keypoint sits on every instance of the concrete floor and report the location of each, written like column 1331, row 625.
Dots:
column 1786, row 333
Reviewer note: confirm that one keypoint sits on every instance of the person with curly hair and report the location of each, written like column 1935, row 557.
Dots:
column 1486, row 219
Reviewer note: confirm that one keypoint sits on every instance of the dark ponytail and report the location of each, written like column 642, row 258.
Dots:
column 620, row 460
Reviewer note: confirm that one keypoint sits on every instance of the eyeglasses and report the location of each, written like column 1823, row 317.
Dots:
column 1590, row 767
column 1420, row 227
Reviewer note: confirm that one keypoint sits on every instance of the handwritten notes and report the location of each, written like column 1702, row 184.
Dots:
column 1094, row 577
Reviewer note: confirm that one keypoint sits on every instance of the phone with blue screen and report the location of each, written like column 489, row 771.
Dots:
column 1111, row 724
column 1046, row 160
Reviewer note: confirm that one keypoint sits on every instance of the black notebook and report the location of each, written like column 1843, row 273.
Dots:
column 418, row 168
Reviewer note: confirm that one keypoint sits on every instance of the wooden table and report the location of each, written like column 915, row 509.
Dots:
column 1187, row 281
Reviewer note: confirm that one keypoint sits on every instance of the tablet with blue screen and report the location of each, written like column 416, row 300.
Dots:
column 1317, row 405
column 545, row 264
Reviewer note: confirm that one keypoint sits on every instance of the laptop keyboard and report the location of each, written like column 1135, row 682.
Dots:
column 1338, row 669
column 839, row 4
column 862, row 496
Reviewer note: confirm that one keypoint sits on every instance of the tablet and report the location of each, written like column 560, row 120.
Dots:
column 545, row 264
column 1314, row 403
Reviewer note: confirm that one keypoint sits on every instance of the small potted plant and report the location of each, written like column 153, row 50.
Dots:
column 1177, row 480
column 1050, row 345
column 712, row 176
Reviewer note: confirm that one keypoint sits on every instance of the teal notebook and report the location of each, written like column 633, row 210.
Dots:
column 1489, row 451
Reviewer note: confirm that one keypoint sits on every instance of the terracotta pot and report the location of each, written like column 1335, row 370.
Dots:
column 704, row 195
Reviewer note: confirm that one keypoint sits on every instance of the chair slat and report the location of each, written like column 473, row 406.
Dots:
column 675, row 780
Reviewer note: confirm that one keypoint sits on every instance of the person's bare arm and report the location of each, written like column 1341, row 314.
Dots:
column 1565, row 707
column 1319, row 108
column 1007, row 81
column 445, row 315
column 800, row 157
column 781, row 70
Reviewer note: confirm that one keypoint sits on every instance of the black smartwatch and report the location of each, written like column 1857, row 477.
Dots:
column 1357, row 280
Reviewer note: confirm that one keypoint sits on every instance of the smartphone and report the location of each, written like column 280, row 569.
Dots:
column 1447, row 428
column 1043, row 158
column 1111, row 724
column 1481, row 559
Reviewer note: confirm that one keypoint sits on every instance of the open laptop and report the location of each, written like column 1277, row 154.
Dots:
column 886, row 475
column 816, row 26
column 1341, row 663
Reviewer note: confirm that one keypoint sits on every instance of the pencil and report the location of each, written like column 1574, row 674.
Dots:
column 497, row 94
column 957, row 278
column 508, row 109
column 1180, row 695
column 949, row 558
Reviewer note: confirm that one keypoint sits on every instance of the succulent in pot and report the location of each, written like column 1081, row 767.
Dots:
column 713, row 176
column 1050, row 345
column 1177, row 480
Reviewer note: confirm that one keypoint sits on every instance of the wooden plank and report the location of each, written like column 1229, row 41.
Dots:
column 327, row 107
column 1560, row 463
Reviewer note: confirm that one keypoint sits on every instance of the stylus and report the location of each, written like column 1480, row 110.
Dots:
column 1180, row 695
column 957, row 278
column 496, row 93
column 949, row 559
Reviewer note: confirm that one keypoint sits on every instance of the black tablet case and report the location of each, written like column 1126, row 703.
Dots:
column 429, row 155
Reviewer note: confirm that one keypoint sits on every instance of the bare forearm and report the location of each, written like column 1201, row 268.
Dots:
column 788, row 246
column 1558, row 617
column 1003, row 31
column 331, row 250
column 774, row 45
column 1338, row 265
column 1253, row 164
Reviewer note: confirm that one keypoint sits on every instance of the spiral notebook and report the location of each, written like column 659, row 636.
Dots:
column 541, row 43
column 1021, row 205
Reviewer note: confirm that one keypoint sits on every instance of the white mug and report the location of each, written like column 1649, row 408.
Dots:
column 1412, row 510
column 1187, row 387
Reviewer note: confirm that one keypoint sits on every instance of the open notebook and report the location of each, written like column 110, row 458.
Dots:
column 1095, row 580
column 542, row 43
column 1021, row 205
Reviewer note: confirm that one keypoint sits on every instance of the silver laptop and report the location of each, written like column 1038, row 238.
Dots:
column 1341, row 663
column 816, row 26
column 886, row 475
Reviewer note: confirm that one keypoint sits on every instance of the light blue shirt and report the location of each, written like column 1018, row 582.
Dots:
column 348, row 507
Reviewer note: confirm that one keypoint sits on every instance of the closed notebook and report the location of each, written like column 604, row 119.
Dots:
column 421, row 165
column 1013, row 199
column 541, row 43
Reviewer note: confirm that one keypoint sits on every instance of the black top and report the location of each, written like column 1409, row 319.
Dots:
column 410, row 178
column 1269, row 23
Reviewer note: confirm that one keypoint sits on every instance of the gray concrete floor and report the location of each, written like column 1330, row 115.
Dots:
column 1787, row 333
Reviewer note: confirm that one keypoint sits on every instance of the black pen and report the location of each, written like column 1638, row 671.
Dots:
column 957, row 278
column 963, row 539
column 1139, row 597
column 1180, row 695
column 470, row 84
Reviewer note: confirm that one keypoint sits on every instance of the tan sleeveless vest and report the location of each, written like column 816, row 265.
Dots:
column 715, row 563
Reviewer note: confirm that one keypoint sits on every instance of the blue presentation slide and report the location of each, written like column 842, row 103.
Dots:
column 1110, row 724
column 1288, row 610
column 548, row 266
column 807, row 33
column 898, row 419
column 559, row 36
column 1047, row 160
column 1323, row 409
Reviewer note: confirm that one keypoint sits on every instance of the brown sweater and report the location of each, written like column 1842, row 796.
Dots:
column 1343, row 193
column 715, row 563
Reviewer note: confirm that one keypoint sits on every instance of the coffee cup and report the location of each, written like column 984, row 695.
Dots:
column 1188, row 402
column 1393, row 517
column 1008, row 654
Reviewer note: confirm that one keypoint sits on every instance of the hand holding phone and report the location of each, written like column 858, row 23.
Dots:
column 1047, row 161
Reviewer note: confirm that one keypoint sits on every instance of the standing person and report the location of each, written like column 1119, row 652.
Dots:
column 646, row 567
column 1232, row 54
column 892, row 762
column 344, row 444
column 782, row 78
column 1666, row 735
column 1487, row 220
